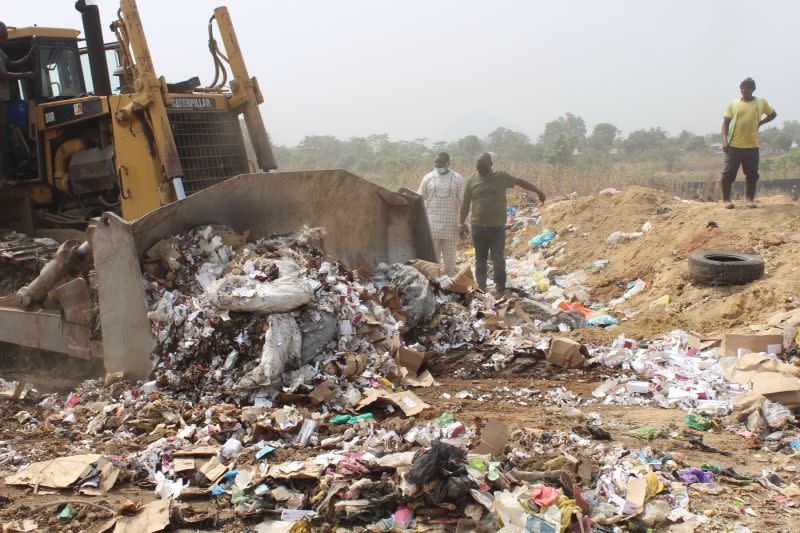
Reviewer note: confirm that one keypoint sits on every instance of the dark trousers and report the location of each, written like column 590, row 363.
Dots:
column 490, row 239
column 748, row 159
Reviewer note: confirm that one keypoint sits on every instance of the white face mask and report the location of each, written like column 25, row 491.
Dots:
column 441, row 170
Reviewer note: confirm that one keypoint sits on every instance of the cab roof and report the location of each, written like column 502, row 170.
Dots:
column 42, row 31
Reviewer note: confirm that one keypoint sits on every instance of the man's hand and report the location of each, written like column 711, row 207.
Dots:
column 726, row 147
column 542, row 198
column 463, row 231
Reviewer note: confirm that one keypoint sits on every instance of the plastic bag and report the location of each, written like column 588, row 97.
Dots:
column 419, row 304
column 776, row 414
column 282, row 344
column 241, row 293
column 615, row 237
column 545, row 236
column 601, row 321
column 634, row 288
column 316, row 334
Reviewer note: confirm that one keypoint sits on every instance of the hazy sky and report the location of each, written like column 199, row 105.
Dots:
column 441, row 69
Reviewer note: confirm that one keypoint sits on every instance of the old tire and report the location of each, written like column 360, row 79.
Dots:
column 721, row 267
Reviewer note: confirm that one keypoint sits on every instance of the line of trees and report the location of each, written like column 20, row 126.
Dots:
column 564, row 142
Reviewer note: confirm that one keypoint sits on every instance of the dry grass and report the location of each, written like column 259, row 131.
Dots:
column 576, row 178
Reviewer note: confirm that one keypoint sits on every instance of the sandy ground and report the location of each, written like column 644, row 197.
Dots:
column 660, row 257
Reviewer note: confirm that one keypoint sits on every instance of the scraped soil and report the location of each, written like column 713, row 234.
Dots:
column 660, row 258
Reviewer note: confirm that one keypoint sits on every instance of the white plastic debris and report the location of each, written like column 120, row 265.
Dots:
column 282, row 343
column 241, row 293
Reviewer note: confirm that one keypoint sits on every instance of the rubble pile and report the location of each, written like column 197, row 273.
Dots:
column 290, row 393
column 251, row 320
column 319, row 468
column 248, row 321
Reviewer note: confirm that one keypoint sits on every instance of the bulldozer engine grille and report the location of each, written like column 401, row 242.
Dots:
column 210, row 146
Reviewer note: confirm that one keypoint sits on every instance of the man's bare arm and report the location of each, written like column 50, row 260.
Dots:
column 768, row 118
column 23, row 60
column 12, row 76
column 726, row 123
column 465, row 205
column 528, row 186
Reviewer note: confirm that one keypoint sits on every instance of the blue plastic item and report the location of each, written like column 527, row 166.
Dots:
column 229, row 477
column 18, row 112
column 601, row 321
column 264, row 451
column 545, row 236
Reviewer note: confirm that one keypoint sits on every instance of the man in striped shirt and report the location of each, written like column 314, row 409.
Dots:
column 442, row 190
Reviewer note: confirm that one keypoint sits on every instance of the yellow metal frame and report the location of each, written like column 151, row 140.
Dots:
column 41, row 31
column 147, row 159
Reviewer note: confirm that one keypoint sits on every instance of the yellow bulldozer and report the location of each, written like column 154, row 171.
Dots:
column 72, row 155
column 148, row 159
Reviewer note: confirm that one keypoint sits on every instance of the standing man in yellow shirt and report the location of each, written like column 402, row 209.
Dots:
column 740, row 141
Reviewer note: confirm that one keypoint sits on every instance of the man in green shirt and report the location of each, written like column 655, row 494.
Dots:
column 485, row 195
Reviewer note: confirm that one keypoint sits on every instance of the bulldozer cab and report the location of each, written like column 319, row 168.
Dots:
column 56, row 62
column 56, row 65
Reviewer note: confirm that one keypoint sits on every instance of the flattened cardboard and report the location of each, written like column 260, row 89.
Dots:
column 407, row 401
column 56, row 473
column 412, row 359
column 732, row 342
column 213, row 470
column 323, row 393
column 201, row 451
column 152, row 518
column 183, row 464
column 493, row 439
column 423, row 379
column 746, row 367
column 777, row 387
column 635, row 495
column 792, row 317
column 108, row 476
column 566, row 353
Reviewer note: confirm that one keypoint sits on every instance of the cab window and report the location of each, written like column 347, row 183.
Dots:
column 59, row 72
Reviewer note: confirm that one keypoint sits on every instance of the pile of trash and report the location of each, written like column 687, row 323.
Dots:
column 281, row 468
column 252, row 320
column 740, row 372
column 563, row 299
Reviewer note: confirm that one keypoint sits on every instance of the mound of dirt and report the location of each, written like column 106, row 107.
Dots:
column 659, row 257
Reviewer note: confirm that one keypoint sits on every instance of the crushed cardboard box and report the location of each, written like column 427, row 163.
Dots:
column 412, row 359
column 62, row 472
column 493, row 438
column 407, row 401
column 323, row 393
column 151, row 518
column 776, row 381
column 566, row 353
column 733, row 344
